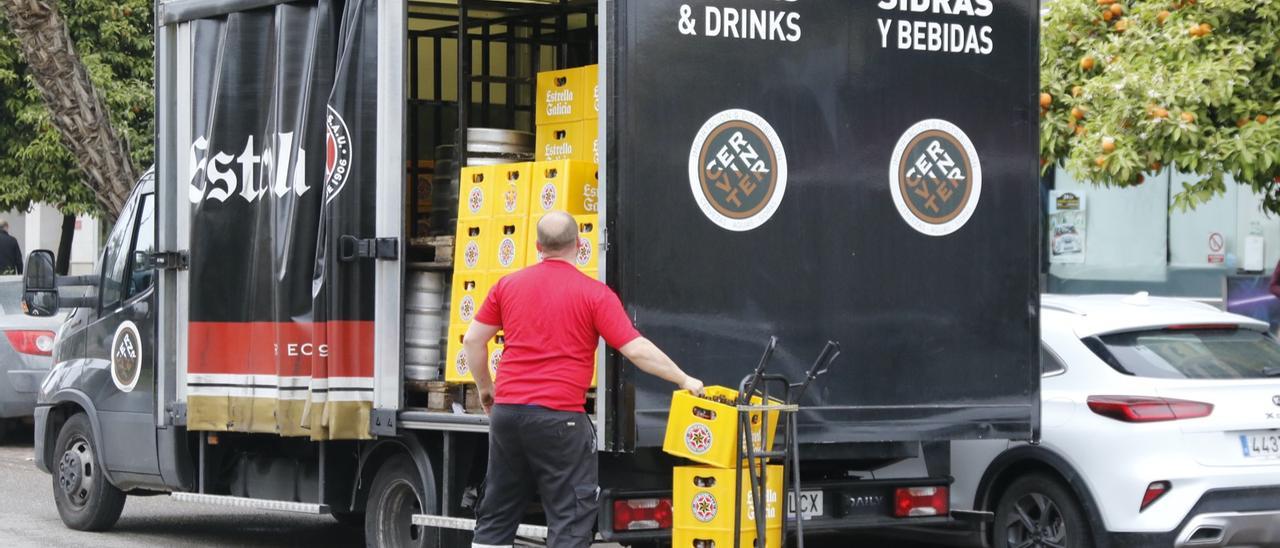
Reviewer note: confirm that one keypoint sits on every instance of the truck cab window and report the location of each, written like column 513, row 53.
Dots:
column 115, row 258
column 143, row 246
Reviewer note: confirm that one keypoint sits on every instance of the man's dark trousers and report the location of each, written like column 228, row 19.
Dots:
column 554, row 452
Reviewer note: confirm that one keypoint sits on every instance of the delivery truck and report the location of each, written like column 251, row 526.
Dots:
column 264, row 326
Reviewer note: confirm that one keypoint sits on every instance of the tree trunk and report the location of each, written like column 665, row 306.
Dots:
column 76, row 108
column 63, row 263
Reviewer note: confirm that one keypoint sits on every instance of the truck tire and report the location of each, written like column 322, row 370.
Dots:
column 394, row 496
column 1039, row 511
column 85, row 499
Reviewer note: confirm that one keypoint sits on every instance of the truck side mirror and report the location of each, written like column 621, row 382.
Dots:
column 40, row 285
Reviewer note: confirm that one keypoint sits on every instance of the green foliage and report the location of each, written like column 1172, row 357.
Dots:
column 1186, row 91
column 114, row 40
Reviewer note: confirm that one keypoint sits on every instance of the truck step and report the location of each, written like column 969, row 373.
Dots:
column 260, row 504
column 523, row 531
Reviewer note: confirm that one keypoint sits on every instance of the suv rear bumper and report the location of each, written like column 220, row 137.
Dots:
column 1222, row 517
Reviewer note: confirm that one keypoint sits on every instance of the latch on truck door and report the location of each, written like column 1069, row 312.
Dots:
column 169, row 260
column 351, row 248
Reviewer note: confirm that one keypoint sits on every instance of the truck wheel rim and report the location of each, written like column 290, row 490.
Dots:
column 400, row 505
column 76, row 471
column 1036, row 522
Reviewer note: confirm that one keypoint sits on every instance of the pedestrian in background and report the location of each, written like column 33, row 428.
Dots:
column 10, row 252
column 540, row 438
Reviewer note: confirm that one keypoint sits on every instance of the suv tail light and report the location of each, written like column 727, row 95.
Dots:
column 35, row 343
column 911, row 502
column 641, row 514
column 1147, row 409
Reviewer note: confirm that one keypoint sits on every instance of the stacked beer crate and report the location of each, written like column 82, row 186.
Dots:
column 500, row 206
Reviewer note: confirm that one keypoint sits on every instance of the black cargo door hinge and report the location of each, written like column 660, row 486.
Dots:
column 351, row 248
column 169, row 260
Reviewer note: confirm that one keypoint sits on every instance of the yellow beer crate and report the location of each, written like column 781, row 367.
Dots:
column 508, row 244
column 706, row 431
column 702, row 501
column 589, row 141
column 469, row 290
column 496, row 346
column 511, row 183
column 565, row 185
column 475, row 193
column 558, row 141
column 472, row 246
column 564, row 95
column 456, row 368
column 591, row 76
column 588, row 257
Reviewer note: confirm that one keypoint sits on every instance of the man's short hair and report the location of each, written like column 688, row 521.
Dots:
column 557, row 232
column 4, row 224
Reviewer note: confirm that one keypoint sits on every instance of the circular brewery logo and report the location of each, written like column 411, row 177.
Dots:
column 471, row 255
column 935, row 177
column 506, row 252
column 337, row 154
column 509, row 199
column 460, row 364
column 126, row 357
column 475, row 199
column 548, row 196
column 584, row 252
column 467, row 308
column 494, row 358
column 737, row 170
column 705, row 507
column 697, row 438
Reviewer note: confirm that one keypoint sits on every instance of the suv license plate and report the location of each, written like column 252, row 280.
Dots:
column 1262, row 445
column 810, row 504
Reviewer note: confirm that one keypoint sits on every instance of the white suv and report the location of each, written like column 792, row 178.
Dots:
column 1160, row 426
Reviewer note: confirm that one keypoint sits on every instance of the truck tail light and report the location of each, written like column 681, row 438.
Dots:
column 1156, row 490
column 1147, row 409
column 641, row 514
column 35, row 343
column 912, row 502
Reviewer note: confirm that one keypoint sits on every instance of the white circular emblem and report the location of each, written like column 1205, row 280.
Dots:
column 697, row 438
column 935, row 177
column 126, row 357
column 506, row 252
column 471, row 255
column 460, row 364
column 705, row 507
column 584, row 252
column 548, row 196
column 475, row 200
column 737, row 170
column 467, row 308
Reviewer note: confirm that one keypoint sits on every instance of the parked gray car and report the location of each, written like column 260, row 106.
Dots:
column 26, row 354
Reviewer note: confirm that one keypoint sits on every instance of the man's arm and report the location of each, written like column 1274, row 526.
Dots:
column 652, row 360
column 475, row 344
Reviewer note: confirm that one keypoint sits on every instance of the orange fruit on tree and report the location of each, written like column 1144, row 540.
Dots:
column 1078, row 112
column 1122, row 25
column 1116, row 10
column 1108, row 145
column 1045, row 100
column 1188, row 117
column 1071, row 124
column 1159, row 112
column 1087, row 63
column 1205, row 29
column 1107, row 15
column 1081, row 130
column 1240, row 122
column 1156, row 166
column 1076, row 91
column 1101, row 161
column 1160, row 17
column 1262, row 118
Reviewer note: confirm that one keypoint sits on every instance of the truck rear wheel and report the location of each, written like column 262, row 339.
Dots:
column 85, row 500
column 394, row 497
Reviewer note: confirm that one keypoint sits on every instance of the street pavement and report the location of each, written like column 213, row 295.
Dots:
column 28, row 518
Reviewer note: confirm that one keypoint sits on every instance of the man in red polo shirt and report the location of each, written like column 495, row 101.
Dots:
column 539, row 437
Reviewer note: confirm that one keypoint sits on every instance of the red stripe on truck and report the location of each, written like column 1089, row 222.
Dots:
column 318, row 350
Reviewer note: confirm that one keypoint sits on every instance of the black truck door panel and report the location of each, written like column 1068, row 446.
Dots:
column 120, row 344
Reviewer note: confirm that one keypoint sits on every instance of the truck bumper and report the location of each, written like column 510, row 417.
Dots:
column 38, row 446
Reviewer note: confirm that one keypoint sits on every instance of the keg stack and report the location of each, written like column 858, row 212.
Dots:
column 427, row 291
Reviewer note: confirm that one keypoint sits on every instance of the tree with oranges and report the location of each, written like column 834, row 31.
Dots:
column 1131, row 86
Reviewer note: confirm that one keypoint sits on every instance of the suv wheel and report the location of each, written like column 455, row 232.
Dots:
column 1037, row 511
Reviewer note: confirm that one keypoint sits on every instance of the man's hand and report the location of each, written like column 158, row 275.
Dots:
column 693, row 385
column 486, row 398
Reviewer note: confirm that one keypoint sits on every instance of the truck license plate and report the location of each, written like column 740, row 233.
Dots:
column 1261, row 445
column 810, row 504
